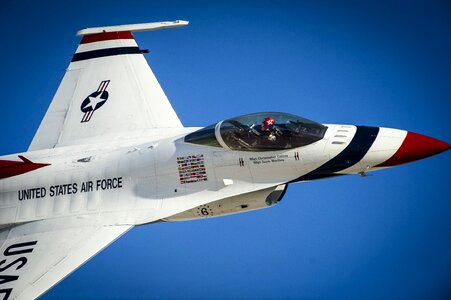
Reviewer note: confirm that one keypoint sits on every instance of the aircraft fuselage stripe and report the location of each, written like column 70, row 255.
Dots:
column 352, row 154
column 106, row 52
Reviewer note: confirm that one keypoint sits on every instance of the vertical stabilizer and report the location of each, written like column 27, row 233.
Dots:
column 108, row 88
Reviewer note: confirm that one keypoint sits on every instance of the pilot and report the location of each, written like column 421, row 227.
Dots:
column 269, row 128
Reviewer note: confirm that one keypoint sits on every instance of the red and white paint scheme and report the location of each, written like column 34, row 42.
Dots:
column 111, row 154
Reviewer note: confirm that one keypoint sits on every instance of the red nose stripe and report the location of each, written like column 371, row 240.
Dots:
column 414, row 147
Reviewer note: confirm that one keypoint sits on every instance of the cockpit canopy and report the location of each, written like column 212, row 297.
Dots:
column 269, row 131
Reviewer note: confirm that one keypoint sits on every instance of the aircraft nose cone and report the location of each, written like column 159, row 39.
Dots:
column 414, row 147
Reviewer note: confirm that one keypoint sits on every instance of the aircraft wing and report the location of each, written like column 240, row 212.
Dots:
column 107, row 90
column 39, row 254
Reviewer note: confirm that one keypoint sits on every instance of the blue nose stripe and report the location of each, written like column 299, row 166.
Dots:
column 352, row 154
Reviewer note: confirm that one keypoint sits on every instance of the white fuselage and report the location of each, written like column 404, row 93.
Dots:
column 158, row 175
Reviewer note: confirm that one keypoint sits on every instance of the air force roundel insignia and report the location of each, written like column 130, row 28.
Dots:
column 94, row 101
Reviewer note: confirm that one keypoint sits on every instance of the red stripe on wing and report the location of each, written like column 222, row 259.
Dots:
column 9, row 168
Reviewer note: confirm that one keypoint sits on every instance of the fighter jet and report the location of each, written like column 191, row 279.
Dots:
column 111, row 154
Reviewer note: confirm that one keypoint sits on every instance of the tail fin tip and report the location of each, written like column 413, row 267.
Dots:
column 133, row 27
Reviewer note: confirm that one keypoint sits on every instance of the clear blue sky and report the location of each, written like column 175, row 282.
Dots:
column 368, row 63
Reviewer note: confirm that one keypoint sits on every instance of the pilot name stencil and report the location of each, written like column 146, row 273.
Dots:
column 268, row 159
column 70, row 188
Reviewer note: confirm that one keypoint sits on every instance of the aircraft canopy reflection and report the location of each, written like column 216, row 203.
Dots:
column 266, row 131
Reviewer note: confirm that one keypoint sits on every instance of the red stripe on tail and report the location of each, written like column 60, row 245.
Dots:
column 106, row 36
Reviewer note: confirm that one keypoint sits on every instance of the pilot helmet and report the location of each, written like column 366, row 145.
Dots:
column 268, row 123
